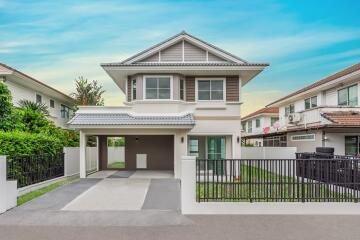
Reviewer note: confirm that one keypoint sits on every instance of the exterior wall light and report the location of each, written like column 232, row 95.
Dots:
column 182, row 139
column 238, row 139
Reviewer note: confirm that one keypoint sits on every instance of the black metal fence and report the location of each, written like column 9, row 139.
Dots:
column 31, row 169
column 278, row 180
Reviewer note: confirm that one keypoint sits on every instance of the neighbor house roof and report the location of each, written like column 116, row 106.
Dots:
column 129, row 119
column 266, row 110
column 330, row 78
column 13, row 70
column 350, row 118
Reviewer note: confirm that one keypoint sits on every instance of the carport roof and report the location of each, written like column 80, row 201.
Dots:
column 81, row 119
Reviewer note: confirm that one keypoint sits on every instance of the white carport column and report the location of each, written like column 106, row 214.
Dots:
column 82, row 154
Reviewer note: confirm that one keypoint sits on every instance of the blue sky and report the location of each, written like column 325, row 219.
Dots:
column 57, row 41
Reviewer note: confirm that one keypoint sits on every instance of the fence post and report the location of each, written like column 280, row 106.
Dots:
column 188, row 183
column 303, row 182
column 3, row 184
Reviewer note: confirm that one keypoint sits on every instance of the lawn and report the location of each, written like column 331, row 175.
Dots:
column 116, row 165
column 37, row 193
column 258, row 185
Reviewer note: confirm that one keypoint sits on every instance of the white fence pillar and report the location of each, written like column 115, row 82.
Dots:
column 188, row 184
column 8, row 189
column 82, row 155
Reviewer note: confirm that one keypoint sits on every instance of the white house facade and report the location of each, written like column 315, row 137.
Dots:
column 323, row 114
column 24, row 87
column 262, row 121
column 183, row 97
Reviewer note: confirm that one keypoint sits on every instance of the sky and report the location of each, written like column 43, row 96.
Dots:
column 303, row 41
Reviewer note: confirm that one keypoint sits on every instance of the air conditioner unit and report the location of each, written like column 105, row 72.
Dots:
column 294, row 118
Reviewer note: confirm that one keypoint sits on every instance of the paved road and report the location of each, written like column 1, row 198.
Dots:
column 205, row 227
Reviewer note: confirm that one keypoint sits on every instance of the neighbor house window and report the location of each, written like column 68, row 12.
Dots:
column 52, row 103
column 348, row 96
column 273, row 120
column 133, row 86
column 257, row 123
column 65, row 111
column 38, row 98
column 210, row 89
column 158, row 88
column 352, row 145
column 249, row 127
column 182, row 92
column 289, row 109
column 311, row 102
column 243, row 126
column 303, row 137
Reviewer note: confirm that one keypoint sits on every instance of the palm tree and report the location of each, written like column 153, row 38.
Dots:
column 88, row 93
column 33, row 106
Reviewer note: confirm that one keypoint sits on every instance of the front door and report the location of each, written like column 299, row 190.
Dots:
column 216, row 151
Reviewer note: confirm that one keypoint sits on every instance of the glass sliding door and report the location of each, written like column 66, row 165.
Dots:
column 352, row 145
column 216, row 151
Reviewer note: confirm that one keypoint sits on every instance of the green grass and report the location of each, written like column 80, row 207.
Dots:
column 37, row 193
column 117, row 165
column 276, row 188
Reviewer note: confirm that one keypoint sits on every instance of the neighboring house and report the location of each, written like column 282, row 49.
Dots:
column 23, row 86
column 183, row 97
column 323, row 114
column 261, row 121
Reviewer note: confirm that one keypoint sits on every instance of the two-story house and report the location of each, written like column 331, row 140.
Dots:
column 24, row 87
column 183, row 97
column 262, row 121
column 323, row 114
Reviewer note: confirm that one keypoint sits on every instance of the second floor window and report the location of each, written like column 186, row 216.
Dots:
column 210, row 89
column 52, row 103
column 243, row 126
column 257, row 123
column 348, row 96
column 182, row 92
column 249, row 127
column 133, row 86
column 273, row 120
column 289, row 109
column 157, row 88
column 311, row 102
column 38, row 98
column 65, row 111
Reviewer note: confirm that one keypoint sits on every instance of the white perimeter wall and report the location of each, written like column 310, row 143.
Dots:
column 72, row 160
column 268, row 152
column 116, row 154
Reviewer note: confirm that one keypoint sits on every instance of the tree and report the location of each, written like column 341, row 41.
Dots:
column 33, row 106
column 88, row 93
column 6, row 108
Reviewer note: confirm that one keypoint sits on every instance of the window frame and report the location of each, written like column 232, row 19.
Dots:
column 145, row 77
column 271, row 119
column 52, row 101
column 313, row 139
column 210, row 79
column 132, row 89
column 66, row 111
column 310, row 102
column 182, row 96
column 289, row 106
column 36, row 98
column 347, row 88
column 257, row 120
column 249, row 126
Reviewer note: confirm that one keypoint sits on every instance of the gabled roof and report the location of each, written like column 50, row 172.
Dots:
column 7, row 70
column 266, row 110
column 177, row 38
column 328, row 79
column 126, row 119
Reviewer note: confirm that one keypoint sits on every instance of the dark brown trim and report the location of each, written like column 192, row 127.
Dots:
column 232, row 89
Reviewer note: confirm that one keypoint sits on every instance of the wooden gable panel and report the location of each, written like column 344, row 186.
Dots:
column 193, row 53
column 190, row 89
column 152, row 58
column 232, row 88
column 172, row 53
column 214, row 58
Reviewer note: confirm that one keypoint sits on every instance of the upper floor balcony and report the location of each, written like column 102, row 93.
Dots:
column 318, row 116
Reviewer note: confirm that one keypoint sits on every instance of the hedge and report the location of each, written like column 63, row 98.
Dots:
column 24, row 143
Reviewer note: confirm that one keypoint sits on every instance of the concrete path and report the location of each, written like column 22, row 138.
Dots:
column 112, row 194
column 147, row 174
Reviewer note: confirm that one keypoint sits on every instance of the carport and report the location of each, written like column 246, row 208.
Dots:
column 152, row 142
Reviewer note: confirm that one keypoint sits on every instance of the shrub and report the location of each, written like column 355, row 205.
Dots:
column 24, row 143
